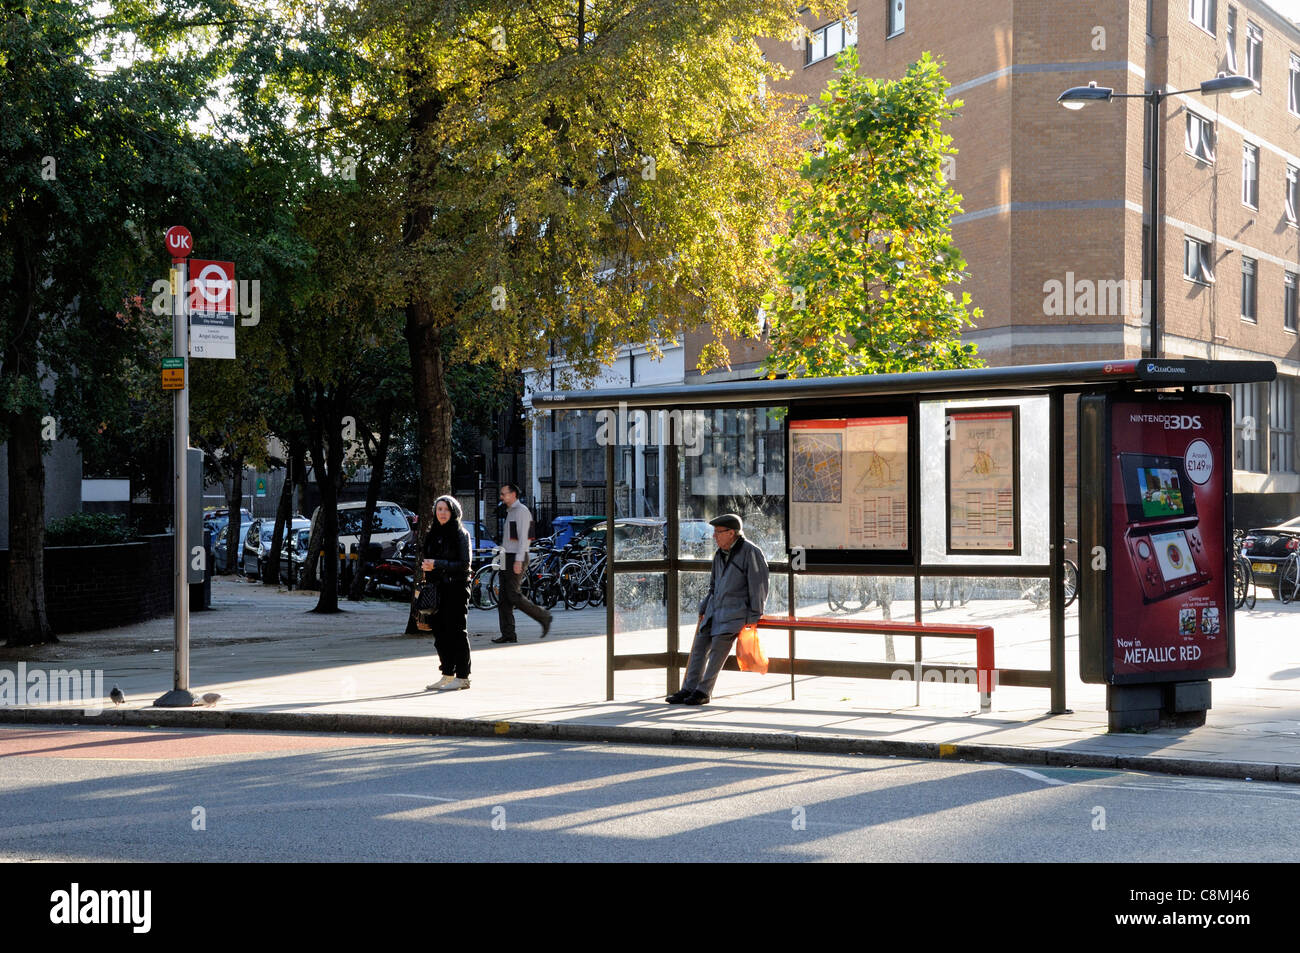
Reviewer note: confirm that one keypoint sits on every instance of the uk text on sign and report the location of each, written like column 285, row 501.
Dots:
column 179, row 242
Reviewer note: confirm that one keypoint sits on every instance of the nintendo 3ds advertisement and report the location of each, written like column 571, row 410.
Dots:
column 1161, row 602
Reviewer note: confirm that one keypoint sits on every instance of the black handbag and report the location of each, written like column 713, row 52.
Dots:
column 426, row 597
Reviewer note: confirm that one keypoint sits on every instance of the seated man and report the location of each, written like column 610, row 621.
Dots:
column 737, row 593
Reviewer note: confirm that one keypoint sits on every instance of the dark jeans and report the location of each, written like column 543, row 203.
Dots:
column 512, row 599
column 450, row 630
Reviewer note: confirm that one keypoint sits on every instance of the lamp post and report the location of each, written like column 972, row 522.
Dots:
column 1076, row 97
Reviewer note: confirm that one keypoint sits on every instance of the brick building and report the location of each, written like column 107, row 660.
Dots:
column 1053, row 227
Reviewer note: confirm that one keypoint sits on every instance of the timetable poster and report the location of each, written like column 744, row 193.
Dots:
column 848, row 483
column 983, row 480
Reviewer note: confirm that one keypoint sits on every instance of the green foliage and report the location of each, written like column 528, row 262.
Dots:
column 87, row 529
column 868, row 264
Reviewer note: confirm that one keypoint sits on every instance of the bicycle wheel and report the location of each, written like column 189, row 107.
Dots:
column 596, row 589
column 1240, row 582
column 488, row 582
column 1070, row 580
column 1288, row 587
column 1251, row 592
column 965, row 590
column 942, row 587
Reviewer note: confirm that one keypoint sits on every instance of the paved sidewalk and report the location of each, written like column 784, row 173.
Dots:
column 278, row 666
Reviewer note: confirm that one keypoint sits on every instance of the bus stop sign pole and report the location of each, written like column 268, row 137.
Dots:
column 179, row 245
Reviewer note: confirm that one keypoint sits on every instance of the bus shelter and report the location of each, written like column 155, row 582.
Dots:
column 889, row 488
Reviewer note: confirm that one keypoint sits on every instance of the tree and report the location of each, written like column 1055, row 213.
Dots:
column 587, row 174
column 868, row 264
column 92, row 158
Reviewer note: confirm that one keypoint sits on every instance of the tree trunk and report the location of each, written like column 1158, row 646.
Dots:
column 235, row 502
column 28, row 622
column 326, row 430
column 283, row 522
column 377, row 454
column 433, row 415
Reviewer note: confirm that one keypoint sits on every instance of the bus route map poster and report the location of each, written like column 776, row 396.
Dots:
column 848, row 483
column 983, row 477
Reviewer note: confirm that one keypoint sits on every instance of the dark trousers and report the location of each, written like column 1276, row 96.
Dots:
column 511, row 599
column 450, row 630
column 708, row 654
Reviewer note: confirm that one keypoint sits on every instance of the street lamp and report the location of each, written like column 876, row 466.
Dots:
column 1076, row 97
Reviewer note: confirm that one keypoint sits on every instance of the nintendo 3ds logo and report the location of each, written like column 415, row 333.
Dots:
column 1170, row 421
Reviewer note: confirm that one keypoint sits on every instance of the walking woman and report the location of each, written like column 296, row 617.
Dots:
column 447, row 563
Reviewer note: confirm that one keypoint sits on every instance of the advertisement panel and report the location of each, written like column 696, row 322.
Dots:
column 983, row 474
column 849, row 483
column 1160, row 605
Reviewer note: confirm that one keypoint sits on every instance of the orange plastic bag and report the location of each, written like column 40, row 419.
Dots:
column 749, row 651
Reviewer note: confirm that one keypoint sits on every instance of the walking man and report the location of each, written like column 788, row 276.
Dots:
column 737, row 594
column 518, row 527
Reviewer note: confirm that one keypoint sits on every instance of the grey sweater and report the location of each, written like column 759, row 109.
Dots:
column 518, row 527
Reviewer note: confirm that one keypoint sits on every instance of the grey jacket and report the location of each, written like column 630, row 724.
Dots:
column 737, row 588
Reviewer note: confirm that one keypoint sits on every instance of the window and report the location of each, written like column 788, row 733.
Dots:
column 1250, row 175
column 1281, row 425
column 1249, row 269
column 1289, row 304
column 1293, row 86
column 831, row 39
column 1202, row 14
column 1254, row 54
column 1292, row 193
column 1232, row 39
column 894, row 18
column 1200, row 137
column 1247, row 407
column 1196, row 262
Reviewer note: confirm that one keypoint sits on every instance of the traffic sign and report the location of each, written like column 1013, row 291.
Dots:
column 212, row 334
column 173, row 373
column 179, row 242
column 212, row 286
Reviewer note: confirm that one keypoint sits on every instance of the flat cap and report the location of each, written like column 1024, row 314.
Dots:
column 727, row 521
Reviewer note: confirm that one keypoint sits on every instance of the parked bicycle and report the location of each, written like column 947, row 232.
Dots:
column 1243, row 577
column 1036, row 590
column 1288, row 582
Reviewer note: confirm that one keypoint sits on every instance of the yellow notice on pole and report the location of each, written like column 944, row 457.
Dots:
column 173, row 373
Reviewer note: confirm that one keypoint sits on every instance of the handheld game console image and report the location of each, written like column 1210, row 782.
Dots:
column 1162, row 535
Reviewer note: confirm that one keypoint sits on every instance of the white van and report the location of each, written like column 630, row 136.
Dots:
column 389, row 529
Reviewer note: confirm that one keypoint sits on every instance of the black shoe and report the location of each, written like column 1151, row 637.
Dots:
column 676, row 698
column 505, row 638
column 696, row 698
column 546, row 626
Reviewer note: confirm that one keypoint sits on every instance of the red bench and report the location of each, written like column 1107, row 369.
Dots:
column 986, row 675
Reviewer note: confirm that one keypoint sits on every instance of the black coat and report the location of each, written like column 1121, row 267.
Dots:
column 450, row 551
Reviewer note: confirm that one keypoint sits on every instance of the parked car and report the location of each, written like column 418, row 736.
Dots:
column 257, row 543
column 219, row 549
column 389, row 528
column 293, row 554
column 696, row 539
column 636, row 537
column 1267, row 547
